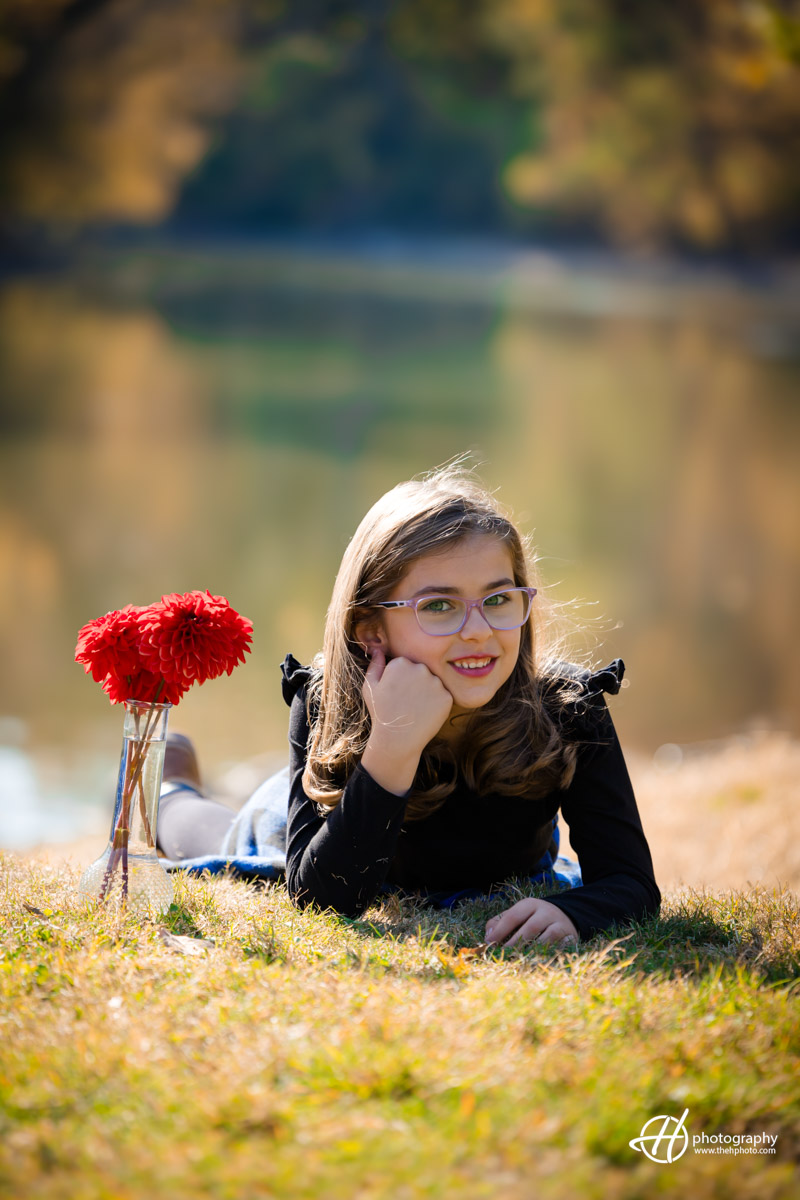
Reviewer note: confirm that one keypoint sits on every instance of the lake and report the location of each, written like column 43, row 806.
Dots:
column 191, row 416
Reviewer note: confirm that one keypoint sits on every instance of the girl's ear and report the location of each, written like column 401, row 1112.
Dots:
column 369, row 634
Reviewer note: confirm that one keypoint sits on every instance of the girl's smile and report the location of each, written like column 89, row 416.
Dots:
column 474, row 663
column 474, row 667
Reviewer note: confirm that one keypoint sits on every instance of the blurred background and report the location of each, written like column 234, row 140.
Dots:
column 260, row 261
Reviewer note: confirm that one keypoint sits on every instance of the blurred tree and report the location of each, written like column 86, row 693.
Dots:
column 104, row 103
column 674, row 122
column 335, row 130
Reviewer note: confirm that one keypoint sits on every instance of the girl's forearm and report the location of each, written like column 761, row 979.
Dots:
column 392, row 766
column 341, row 861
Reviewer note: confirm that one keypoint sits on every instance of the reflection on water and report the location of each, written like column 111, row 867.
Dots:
column 170, row 426
column 44, row 794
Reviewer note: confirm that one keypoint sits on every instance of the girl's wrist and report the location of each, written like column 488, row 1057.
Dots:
column 392, row 768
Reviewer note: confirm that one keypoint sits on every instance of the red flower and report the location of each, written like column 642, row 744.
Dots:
column 156, row 653
column 141, row 685
column 110, row 644
column 194, row 637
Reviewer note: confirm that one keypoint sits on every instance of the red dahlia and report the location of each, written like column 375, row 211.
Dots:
column 110, row 644
column 156, row 653
column 141, row 685
column 193, row 637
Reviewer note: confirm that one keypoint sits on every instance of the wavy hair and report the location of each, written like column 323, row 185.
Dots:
column 518, row 744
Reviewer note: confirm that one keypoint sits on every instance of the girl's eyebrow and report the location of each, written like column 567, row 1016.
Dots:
column 454, row 591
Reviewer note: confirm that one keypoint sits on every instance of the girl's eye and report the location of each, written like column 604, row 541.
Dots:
column 497, row 600
column 436, row 604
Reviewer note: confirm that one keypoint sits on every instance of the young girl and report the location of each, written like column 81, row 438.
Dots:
column 437, row 735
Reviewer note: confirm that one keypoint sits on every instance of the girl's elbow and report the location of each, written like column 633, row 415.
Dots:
column 303, row 897
column 299, row 894
column 654, row 900
column 300, row 898
column 651, row 903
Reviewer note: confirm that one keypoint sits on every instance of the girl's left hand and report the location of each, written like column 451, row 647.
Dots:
column 531, row 920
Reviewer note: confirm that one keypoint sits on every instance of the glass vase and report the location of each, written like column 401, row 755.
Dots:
column 129, row 872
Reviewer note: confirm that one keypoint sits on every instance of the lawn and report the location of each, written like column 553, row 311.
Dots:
column 239, row 1048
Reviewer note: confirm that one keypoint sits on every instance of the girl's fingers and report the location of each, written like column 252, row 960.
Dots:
column 530, row 930
column 554, row 934
column 500, row 927
column 407, row 704
column 540, row 929
column 528, row 920
column 376, row 666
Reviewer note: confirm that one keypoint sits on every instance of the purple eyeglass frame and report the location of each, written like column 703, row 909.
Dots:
column 529, row 591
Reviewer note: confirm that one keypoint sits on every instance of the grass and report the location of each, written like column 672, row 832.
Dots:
column 727, row 811
column 300, row 1054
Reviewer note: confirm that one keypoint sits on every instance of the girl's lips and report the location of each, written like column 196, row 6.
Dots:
column 474, row 672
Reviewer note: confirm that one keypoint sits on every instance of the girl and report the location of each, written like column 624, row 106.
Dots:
column 437, row 735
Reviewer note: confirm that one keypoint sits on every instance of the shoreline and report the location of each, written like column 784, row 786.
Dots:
column 722, row 816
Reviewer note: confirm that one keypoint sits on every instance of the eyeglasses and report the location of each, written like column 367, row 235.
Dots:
column 442, row 616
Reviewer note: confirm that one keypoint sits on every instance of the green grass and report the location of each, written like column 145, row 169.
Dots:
column 306, row 1055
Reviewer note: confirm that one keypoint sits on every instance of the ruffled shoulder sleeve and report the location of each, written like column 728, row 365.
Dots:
column 607, row 679
column 581, row 702
column 295, row 677
column 593, row 683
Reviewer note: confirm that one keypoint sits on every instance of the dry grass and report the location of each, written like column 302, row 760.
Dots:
column 299, row 1054
column 727, row 816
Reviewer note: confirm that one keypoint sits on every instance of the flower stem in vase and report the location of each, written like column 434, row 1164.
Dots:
column 131, row 867
column 148, row 831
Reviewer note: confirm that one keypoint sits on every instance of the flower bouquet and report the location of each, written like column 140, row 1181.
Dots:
column 147, row 658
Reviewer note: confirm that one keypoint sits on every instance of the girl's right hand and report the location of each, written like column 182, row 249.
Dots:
column 408, row 705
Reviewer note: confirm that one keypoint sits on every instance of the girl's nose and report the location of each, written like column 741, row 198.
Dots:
column 477, row 627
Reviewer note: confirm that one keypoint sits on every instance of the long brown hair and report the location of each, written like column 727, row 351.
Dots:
column 518, row 743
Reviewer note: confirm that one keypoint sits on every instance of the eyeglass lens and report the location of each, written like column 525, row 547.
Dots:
column 445, row 614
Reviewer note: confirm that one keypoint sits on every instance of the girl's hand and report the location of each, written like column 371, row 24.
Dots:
column 531, row 920
column 408, row 705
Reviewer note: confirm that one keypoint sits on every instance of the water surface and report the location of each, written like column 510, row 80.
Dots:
column 189, row 419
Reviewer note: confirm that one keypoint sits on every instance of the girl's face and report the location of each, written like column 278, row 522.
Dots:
column 473, row 568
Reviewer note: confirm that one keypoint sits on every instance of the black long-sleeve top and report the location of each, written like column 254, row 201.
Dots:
column 342, row 859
